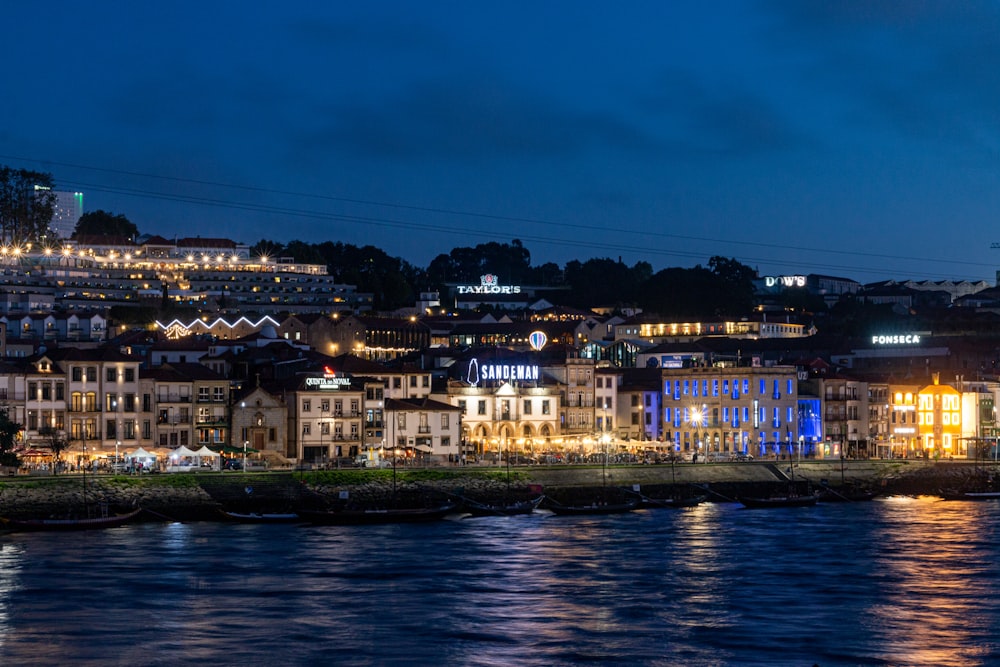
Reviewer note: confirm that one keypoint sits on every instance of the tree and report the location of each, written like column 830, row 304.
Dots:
column 8, row 438
column 56, row 441
column 26, row 205
column 266, row 248
column 102, row 223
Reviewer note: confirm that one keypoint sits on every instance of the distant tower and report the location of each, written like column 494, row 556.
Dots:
column 66, row 213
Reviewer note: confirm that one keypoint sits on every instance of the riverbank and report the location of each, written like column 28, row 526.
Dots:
column 203, row 495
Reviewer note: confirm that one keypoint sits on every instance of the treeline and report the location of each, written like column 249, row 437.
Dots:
column 723, row 288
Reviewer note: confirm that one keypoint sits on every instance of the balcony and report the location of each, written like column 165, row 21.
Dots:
column 173, row 398
column 423, row 429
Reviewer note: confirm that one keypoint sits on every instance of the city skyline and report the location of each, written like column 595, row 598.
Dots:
column 849, row 139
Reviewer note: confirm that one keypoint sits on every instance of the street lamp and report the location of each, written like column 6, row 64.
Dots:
column 698, row 419
column 245, row 443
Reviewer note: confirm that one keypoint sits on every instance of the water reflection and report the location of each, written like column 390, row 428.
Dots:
column 896, row 582
column 933, row 561
column 11, row 562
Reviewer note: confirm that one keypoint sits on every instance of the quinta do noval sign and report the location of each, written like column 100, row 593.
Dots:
column 489, row 284
column 328, row 382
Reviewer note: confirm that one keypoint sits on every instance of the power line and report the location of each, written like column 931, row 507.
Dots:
column 437, row 227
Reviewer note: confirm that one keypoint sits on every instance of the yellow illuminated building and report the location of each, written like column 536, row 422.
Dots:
column 939, row 420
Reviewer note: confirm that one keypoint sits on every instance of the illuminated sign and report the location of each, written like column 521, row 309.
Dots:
column 328, row 381
column 904, row 429
column 902, row 339
column 537, row 340
column 488, row 284
column 500, row 372
column 785, row 281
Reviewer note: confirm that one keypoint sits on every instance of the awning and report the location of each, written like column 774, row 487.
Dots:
column 424, row 448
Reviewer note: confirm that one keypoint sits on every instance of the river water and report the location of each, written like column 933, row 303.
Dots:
column 900, row 581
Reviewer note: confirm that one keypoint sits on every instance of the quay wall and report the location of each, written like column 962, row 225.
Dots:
column 191, row 496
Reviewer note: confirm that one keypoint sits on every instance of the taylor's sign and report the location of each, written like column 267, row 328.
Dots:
column 489, row 284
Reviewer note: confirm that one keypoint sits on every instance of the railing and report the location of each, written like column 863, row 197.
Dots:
column 423, row 429
column 173, row 398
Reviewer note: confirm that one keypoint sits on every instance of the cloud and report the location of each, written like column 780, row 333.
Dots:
column 727, row 118
column 924, row 70
column 471, row 119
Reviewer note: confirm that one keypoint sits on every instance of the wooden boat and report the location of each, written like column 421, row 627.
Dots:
column 501, row 509
column 595, row 508
column 778, row 501
column 263, row 517
column 970, row 495
column 828, row 495
column 654, row 503
column 109, row 521
column 352, row 517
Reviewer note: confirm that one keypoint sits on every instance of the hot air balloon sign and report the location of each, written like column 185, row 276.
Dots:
column 537, row 340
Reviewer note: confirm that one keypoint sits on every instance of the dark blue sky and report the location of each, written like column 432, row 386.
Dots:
column 852, row 137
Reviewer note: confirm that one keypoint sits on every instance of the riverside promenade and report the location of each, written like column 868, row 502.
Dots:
column 195, row 496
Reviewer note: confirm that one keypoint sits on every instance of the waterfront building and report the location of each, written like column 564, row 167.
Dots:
column 495, row 416
column 260, row 421
column 843, row 404
column 102, row 386
column 44, row 403
column 939, row 421
column 424, row 430
column 325, row 416
column 904, row 435
column 721, row 411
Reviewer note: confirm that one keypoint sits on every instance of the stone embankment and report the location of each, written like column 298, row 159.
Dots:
column 202, row 496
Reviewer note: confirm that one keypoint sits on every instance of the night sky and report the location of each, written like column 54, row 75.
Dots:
column 855, row 138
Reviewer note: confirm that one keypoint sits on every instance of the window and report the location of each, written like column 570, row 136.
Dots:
column 306, row 428
column 482, row 408
column 129, row 402
column 413, row 380
column 401, row 421
column 426, row 382
column 527, row 407
column 77, row 374
column 324, row 405
column 324, row 428
column 546, row 409
column 397, row 383
column 92, row 374
column 33, row 391
column 111, row 374
column 306, row 405
column 219, row 394
column 60, row 391
column 444, row 421
column 130, row 375
column 147, row 429
column 203, row 394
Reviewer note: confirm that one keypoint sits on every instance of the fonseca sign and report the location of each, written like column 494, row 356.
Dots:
column 489, row 284
column 901, row 339
column 500, row 372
